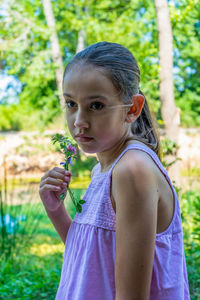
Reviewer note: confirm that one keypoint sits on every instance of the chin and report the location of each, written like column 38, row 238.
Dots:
column 87, row 149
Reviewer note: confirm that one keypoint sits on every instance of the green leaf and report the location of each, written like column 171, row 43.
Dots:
column 82, row 201
column 79, row 208
column 62, row 197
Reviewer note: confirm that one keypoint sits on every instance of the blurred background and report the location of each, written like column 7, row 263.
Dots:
column 37, row 40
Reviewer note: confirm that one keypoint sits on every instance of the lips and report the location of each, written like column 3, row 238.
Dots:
column 83, row 138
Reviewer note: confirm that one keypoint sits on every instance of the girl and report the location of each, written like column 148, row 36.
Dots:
column 127, row 243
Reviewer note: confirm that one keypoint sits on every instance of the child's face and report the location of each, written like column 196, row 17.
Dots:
column 89, row 95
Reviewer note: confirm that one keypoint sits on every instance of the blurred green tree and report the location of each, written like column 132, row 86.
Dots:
column 185, row 18
column 26, row 49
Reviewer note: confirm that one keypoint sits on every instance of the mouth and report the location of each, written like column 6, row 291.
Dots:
column 83, row 138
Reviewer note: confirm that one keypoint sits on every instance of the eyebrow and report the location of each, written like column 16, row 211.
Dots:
column 90, row 97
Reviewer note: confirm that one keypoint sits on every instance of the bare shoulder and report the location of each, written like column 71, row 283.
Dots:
column 136, row 165
column 135, row 182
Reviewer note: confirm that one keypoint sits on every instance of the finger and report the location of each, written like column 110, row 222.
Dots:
column 61, row 170
column 55, row 182
column 65, row 178
column 49, row 180
column 57, row 175
column 50, row 187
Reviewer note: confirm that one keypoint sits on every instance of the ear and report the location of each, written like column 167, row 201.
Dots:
column 136, row 108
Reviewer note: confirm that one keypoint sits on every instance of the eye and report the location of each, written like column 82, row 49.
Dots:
column 70, row 104
column 97, row 105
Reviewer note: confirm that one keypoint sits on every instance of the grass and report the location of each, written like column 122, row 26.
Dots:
column 193, row 172
column 34, row 272
column 38, row 266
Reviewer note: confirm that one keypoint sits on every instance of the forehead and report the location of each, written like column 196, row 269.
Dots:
column 87, row 80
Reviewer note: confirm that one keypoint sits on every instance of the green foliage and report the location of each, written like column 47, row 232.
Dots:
column 83, row 165
column 168, row 147
column 136, row 29
column 190, row 208
column 32, row 271
column 38, row 263
column 26, row 51
column 19, row 117
column 185, row 18
column 26, row 54
column 189, row 102
column 10, row 118
column 193, row 172
column 69, row 150
column 17, row 224
column 41, row 260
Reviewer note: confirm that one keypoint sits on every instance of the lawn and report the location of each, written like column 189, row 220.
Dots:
column 33, row 269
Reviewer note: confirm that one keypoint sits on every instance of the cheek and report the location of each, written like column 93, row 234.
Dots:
column 110, row 127
column 115, row 121
column 70, row 122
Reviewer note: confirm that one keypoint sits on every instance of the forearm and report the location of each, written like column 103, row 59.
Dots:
column 61, row 221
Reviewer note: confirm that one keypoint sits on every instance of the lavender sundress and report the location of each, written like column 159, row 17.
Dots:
column 89, row 258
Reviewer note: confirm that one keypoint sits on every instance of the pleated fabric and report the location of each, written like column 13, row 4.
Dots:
column 89, row 258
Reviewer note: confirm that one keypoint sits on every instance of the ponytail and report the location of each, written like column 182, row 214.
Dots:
column 144, row 129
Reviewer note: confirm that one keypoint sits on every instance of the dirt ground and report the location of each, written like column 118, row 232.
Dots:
column 30, row 154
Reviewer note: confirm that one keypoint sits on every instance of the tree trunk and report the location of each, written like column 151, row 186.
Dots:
column 170, row 113
column 81, row 41
column 55, row 48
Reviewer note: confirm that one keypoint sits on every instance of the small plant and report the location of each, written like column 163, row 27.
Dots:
column 18, row 222
column 69, row 151
column 169, row 147
column 190, row 214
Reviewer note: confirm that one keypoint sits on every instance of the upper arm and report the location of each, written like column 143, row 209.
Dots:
column 134, row 189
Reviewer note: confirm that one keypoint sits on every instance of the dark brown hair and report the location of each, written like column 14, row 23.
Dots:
column 122, row 68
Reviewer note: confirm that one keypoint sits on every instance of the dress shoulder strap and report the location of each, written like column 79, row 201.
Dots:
column 145, row 149
column 96, row 169
column 153, row 156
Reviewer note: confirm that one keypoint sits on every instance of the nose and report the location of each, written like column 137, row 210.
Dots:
column 81, row 120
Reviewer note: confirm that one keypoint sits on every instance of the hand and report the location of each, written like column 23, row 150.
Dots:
column 52, row 185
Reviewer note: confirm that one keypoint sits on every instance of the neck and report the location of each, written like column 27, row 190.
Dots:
column 107, row 157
